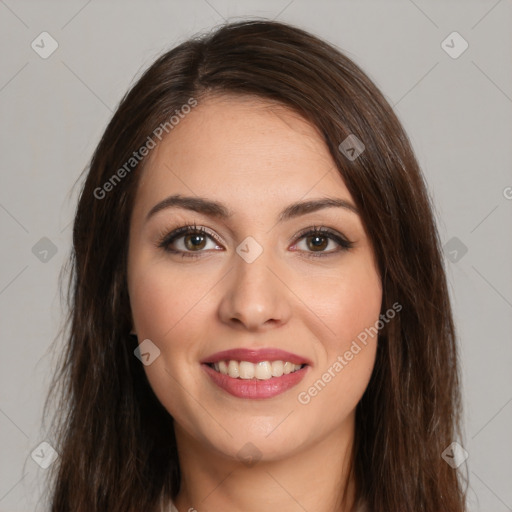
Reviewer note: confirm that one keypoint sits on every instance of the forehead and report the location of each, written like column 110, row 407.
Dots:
column 247, row 148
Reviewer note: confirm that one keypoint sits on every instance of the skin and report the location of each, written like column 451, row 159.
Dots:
column 256, row 158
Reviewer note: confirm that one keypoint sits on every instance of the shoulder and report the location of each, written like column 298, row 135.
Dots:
column 172, row 508
column 167, row 507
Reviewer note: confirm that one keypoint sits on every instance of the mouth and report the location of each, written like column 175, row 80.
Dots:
column 255, row 373
column 261, row 370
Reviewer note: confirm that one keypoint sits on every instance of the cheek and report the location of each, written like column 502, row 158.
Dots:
column 154, row 309
column 349, row 303
column 168, row 307
column 339, row 381
column 161, row 298
column 359, row 301
column 347, row 300
column 162, row 310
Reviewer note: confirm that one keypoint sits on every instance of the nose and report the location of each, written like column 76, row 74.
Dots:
column 255, row 295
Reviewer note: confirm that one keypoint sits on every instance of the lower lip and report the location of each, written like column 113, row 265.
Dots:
column 255, row 388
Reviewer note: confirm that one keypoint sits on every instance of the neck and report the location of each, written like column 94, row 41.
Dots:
column 313, row 478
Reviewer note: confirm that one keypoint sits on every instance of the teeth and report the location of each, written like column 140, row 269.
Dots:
column 263, row 370
column 288, row 368
column 247, row 370
column 277, row 368
column 223, row 367
column 233, row 369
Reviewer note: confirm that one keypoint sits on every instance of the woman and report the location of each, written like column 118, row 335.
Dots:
column 259, row 311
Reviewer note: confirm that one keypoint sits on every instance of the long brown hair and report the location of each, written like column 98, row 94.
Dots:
column 115, row 440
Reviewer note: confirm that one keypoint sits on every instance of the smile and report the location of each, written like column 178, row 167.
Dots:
column 255, row 373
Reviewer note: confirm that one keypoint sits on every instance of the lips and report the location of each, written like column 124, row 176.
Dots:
column 291, row 369
column 256, row 356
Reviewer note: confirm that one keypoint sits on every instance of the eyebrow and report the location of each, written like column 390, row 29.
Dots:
column 218, row 210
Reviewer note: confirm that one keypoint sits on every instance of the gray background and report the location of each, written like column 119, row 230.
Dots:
column 457, row 112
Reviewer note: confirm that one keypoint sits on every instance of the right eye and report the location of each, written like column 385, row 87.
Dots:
column 187, row 240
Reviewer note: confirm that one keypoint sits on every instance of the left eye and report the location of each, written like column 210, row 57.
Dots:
column 317, row 242
column 317, row 239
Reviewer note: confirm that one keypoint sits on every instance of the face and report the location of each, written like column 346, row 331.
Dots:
column 256, row 307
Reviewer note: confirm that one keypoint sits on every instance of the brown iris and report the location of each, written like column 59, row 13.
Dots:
column 196, row 242
column 317, row 245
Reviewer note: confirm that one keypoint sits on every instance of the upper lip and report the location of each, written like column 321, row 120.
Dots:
column 256, row 355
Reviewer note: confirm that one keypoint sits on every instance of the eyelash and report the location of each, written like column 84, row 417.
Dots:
column 168, row 238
